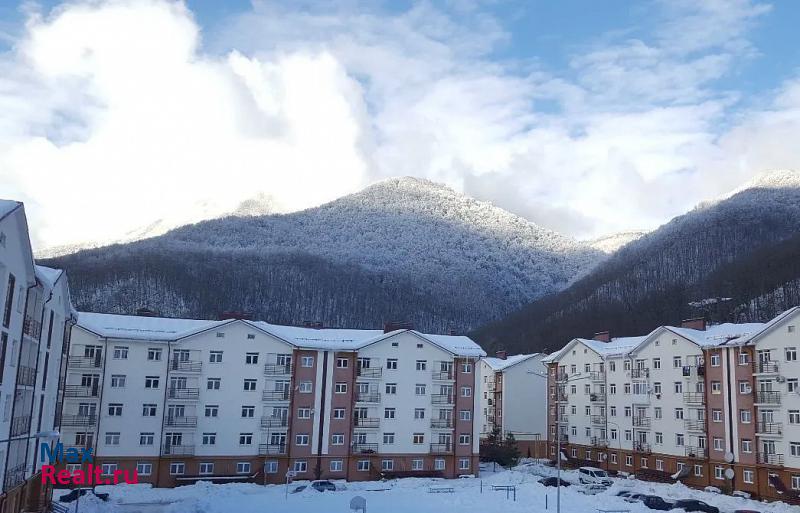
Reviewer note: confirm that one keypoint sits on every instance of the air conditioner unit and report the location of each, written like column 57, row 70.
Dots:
column 780, row 379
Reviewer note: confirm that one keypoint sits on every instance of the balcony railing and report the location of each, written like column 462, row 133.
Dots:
column 769, row 428
column 14, row 477
column 26, row 376
column 81, row 391
column 695, row 424
column 275, row 395
column 695, row 452
column 178, row 450
column 183, row 393
column 20, row 425
column 766, row 367
column 441, row 423
column 564, row 437
column 269, row 421
column 597, row 397
column 768, row 397
column 490, row 387
column 276, row 369
column 270, row 449
column 642, row 447
column 84, row 362
column 364, row 422
column 694, row 397
column 597, row 376
column 641, row 421
column 185, row 365
column 364, row 448
column 370, row 397
column 443, row 375
column 181, row 421
column 442, row 399
column 78, row 420
column 599, row 442
column 598, row 420
column 558, row 397
column 770, row 459
column 32, row 328
column 563, row 418
column 444, row 448
column 640, row 373
column 561, row 376
column 370, row 372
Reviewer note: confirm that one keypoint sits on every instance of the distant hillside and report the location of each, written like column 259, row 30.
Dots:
column 743, row 248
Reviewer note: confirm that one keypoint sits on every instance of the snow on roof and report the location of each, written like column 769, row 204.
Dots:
column 616, row 347
column 6, row 206
column 718, row 334
column 765, row 326
column 321, row 338
column 457, row 344
column 142, row 328
column 47, row 274
column 499, row 364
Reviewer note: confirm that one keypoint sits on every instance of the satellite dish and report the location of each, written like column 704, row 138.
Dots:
column 729, row 474
column 729, row 457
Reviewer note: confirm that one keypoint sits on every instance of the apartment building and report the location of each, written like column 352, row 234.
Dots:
column 34, row 333
column 708, row 405
column 513, row 397
column 236, row 400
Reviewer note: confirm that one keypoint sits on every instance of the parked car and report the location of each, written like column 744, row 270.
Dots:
column 695, row 505
column 323, row 486
column 635, row 497
column 553, row 481
column 656, row 502
column 624, row 493
column 80, row 492
column 592, row 489
column 592, row 475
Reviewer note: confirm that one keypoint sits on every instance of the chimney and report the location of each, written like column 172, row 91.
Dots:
column 698, row 323
column 453, row 332
column 233, row 314
column 602, row 336
column 313, row 324
column 502, row 354
column 397, row 325
column 146, row 312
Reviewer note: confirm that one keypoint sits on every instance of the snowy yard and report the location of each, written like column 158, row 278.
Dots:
column 406, row 496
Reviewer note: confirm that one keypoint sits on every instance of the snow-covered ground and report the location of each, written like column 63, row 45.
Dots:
column 407, row 496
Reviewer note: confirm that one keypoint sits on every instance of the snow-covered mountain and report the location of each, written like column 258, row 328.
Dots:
column 402, row 248
column 609, row 244
column 743, row 246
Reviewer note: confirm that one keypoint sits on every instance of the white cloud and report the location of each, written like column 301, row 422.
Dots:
column 111, row 125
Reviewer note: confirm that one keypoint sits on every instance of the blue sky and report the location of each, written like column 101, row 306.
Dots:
column 553, row 110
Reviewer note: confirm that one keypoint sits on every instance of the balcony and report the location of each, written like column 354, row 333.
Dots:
column 695, row 452
column 183, row 393
column 563, row 418
column 597, row 376
column 32, row 328
column 370, row 372
column 597, row 397
column 769, row 428
column 20, row 425
column 564, row 438
column 767, row 367
column 443, row 375
column 185, row 422
column 14, row 477
column 78, row 420
column 599, row 442
column 442, row 399
column 441, row 423
column 695, row 424
column 598, row 420
column 177, row 450
column 562, row 397
column 365, row 422
column 694, row 398
column 640, row 373
column 84, row 362
column 642, row 447
column 277, row 369
column 275, row 395
column 770, row 459
column 364, row 448
column 271, row 449
column 444, row 448
column 81, row 391
column 490, row 387
column 768, row 397
column 369, row 397
column 268, row 421
column 641, row 421
column 26, row 376
column 176, row 365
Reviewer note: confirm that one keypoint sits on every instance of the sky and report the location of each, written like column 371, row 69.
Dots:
column 585, row 117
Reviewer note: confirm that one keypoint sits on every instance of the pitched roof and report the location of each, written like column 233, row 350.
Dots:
column 499, row 364
column 8, row 206
column 134, row 327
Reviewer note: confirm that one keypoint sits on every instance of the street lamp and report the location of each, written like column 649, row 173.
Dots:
column 41, row 434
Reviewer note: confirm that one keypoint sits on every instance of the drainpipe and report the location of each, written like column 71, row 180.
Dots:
column 164, row 414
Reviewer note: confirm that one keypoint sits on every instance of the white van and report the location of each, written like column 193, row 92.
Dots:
column 592, row 475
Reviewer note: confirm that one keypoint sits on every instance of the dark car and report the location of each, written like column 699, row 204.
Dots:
column 656, row 502
column 624, row 493
column 635, row 497
column 323, row 486
column 695, row 505
column 80, row 492
column 553, row 481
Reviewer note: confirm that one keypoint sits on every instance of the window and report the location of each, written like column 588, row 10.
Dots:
column 220, row 334
column 387, row 465
column 745, row 416
column 120, row 352
column 463, row 464
column 215, row 357
column 342, row 363
column 391, row 364
column 698, row 471
column 305, row 387
column 154, row 354
column 304, row 413
column 628, row 460
column 744, row 387
column 212, row 410
column 466, row 391
column 716, row 387
column 657, row 412
column 248, row 412
column 614, row 457
column 719, row 472
column 715, row 359
column 117, row 381
column 657, row 388
column 613, row 434
column 656, row 363
column 388, row 438
column 464, row 438
column 418, row 438
column 115, row 410
column 679, row 439
column 612, row 366
column 791, row 385
column 213, row 383
column 243, row 467
column 108, row 468
column 151, row 382
column 209, row 439
column 177, row 468
column 416, row 464
column 747, row 445
column 251, row 358
column 796, row 482
column 612, row 388
column 245, row 438
column 341, row 388
column 271, row 467
column 790, row 328
column 301, row 439
column 465, row 415
column 626, row 388
column 337, row 439
column 339, row 413
column 363, row 465
column 389, row 413
column 744, row 358
column 628, row 411
column 112, row 438
column 250, row 385
column 146, row 438
column 419, row 413
column 612, row 410
column 748, row 476
column 300, row 466
column 794, row 448
column 466, row 368
column 628, row 435
column 149, row 410
column 391, row 388
column 791, row 354
column 659, row 438
column 716, row 415
column 206, row 468
column 422, row 365
column 794, row 416
column 678, row 387
column 251, row 336
column 307, row 361
column 336, row 465
column 718, row 444
column 144, row 468
column 419, row 389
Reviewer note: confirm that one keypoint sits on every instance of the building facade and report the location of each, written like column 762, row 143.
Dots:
column 710, row 406
column 34, row 331
column 513, row 397
column 184, row 400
